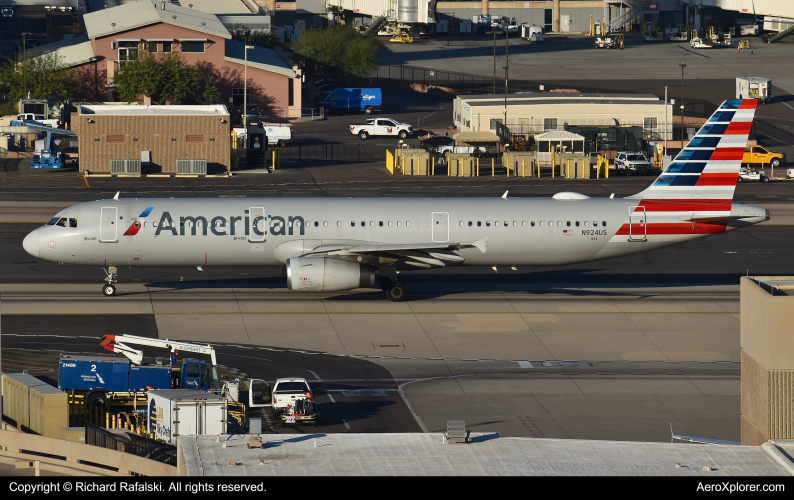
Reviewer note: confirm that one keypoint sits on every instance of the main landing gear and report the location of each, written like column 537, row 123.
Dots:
column 111, row 276
column 396, row 291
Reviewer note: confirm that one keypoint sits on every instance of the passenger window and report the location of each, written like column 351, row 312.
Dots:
column 363, row 223
column 352, row 224
column 568, row 223
column 389, row 223
column 145, row 224
column 460, row 223
column 339, row 223
column 488, row 223
column 515, row 224
column 586, row 224
column 471, row 223
column 577, row 223
column 53, row 221
column 604, row 223
column 325, row 223
column 72, row 222
column 399, row 223
column 61, row 222
column 497, row 223
column 507, row 224
column 317, row 223
column 407, row 223
column 479, row 223
column 595, row 223
column 541, row 223
column 380, row 223
column 424, row 223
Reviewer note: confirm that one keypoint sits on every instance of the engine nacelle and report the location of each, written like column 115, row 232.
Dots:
column 318, row 274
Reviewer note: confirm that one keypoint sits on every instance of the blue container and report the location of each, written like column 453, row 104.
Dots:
column 353, row 99
column 110, row 374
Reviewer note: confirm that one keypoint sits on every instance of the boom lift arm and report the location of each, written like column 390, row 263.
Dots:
column 118, row 343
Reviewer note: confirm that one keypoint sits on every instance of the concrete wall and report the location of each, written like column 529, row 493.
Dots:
column 163, row 135
column 79, row 456
column 767, row 362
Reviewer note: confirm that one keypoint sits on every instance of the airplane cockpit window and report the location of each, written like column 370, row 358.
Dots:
column 53, row 221
column 72, row 222
column 61, row 222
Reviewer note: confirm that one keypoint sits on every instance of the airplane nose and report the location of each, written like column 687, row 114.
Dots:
column 31, row 244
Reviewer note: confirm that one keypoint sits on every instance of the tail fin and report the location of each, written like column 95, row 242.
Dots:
column 708, row 167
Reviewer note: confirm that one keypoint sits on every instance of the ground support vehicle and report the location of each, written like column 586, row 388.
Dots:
column 760, row 156
column 293, row 402
column 352, row 99
column 532, row 33
column 750, row 174
column 653, row 37
column 475, row 151
column 102, row 378
column 790, row 173
column 180, row 412
column 700, row 43
column 604, row 43
column 628, row 163
column 44, row 156
column 382, row 126
column 754, row 87
column 278, row 133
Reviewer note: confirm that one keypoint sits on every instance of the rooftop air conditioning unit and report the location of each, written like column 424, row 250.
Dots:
column 125, row 167
column 191, row 167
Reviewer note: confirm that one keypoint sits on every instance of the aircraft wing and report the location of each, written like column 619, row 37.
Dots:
column 424, row 255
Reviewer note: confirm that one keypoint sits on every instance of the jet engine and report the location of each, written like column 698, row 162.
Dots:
column 318, row 274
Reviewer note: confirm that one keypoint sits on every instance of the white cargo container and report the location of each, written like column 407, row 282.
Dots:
column 184, row 412
column 532, row 33
column 278, row 133
column 465, row 27
column 754, row 87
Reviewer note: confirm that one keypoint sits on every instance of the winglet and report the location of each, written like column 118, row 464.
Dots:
column 480, row 244
column 504, row 196
column 117, row 195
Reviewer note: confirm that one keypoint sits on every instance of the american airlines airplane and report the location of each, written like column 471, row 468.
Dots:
column 337, row 244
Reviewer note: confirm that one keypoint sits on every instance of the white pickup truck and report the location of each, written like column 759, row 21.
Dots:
column 32, row 117
column 382, row 126
column 287, row 391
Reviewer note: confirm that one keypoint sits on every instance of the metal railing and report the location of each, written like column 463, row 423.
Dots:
column 129, row 443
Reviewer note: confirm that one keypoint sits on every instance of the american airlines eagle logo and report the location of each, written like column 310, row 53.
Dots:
column 136, row 224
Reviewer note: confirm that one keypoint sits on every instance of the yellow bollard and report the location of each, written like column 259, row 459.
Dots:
column 523, row 167
column 107, row 420
column 433, row 163
column 493, row 167
column 478, row 167
column 273, row 161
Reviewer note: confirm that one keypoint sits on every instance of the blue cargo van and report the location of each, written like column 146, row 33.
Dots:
column 366, row 100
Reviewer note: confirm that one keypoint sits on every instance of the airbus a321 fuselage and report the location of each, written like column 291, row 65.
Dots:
column 337, row 244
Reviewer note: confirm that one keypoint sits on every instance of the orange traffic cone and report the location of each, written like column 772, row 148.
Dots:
column 737, row 50
column 751, row 51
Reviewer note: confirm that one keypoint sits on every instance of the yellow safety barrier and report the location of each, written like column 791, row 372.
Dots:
column 493, row 167
column 553, row 161
column 433, row 163
column 390, row 161
column 478, row 167
column 274, row 159
column 524, row 164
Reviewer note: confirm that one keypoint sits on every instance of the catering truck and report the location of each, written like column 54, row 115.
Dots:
column 182, row 412
column 754, row 87
column 353, row 99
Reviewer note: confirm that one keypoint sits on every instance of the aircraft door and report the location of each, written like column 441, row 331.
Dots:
column 258, row 223
column 259, row 394
column 637, row 225
column 108, row 225
column 440, row 227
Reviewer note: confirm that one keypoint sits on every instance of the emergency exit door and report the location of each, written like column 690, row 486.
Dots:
column 258, row 224
column 440, row 227
column 108, row 225
column 637, row 226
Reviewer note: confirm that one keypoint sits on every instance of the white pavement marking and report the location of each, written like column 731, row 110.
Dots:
column 783, row 103
column 330, row 396
column 316, row 377
column 524, row 364
column 345, row 422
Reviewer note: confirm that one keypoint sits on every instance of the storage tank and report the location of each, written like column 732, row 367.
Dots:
column 408, row 11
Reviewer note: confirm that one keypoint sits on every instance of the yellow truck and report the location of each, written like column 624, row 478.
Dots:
column 758, row 155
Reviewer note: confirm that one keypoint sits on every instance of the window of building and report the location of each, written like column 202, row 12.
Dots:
column 291, row 92
column 128, row 51
column 193, row 46
column 151, row 47
column 166, row 47
column 237, row 96
column 650, row 123
column 492, row 124
column 549, row 124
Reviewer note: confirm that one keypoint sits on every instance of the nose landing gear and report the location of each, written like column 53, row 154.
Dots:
column 111, row 276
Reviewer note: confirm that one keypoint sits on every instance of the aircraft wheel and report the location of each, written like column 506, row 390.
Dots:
column 398, row 293
column 108, row 290
column 764, row 179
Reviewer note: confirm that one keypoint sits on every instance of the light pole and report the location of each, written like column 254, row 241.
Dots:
column 494, row 59
column 506, row 67
column 682, row 102
column 24, row 65
column 665, row 120
column 245, row 95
